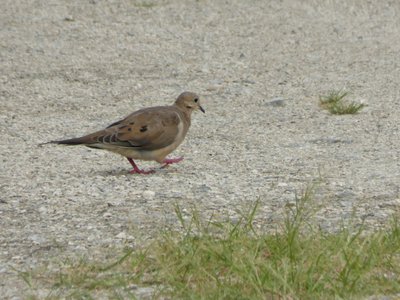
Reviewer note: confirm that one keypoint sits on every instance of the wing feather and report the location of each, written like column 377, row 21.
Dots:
column 147, row 129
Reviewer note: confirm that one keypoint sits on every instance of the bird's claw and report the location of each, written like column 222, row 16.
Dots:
column 174, row 160
column 139, row 171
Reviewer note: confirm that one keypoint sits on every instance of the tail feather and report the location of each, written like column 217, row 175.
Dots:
column 71, row 142
column 83, row 140
column 68, row 142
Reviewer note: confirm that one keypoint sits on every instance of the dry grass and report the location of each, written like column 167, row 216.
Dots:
column 216, row 260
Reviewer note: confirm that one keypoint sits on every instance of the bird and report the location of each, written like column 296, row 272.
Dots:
column 148, row 134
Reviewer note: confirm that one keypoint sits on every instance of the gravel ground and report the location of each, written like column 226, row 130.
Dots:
column 69, row 68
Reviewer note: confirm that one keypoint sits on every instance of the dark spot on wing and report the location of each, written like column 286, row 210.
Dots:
column 131, row 123
column 129, row 129
column 143, row 129
column 124, row 126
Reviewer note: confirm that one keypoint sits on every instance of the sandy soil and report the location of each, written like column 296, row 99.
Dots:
column 69, row 68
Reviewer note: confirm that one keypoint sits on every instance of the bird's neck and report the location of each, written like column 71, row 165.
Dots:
column 185, row 113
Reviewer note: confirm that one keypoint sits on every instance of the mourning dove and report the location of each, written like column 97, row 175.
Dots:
column 147, row 134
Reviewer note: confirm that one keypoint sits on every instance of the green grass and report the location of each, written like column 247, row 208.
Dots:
column 224, row 260
column 335, row 104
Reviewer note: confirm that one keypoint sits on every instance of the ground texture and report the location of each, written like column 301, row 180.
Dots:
column 69, row 68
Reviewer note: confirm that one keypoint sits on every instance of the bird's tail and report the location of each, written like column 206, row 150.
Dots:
column 68, row 142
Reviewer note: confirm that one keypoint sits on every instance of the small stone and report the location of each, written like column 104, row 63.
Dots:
column 43, row 210
column 216, row 82
column 37, row 239
column 248, row 81
column 91, row 238
column 204, row 188
column 130, row 238
column 107, row 215
column 132, row 287
column 148, row 195
column 57, row 193
column 277, row 102
column 144, row 292
column 121, row 235
column 17, row 257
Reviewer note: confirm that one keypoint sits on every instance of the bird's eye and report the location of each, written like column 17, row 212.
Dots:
column 196, row 100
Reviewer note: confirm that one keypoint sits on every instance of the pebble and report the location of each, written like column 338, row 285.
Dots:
column 42, row 210
column 121, row 235
column 37, row 239
column 107, row 215
column 148, row 195
column 277, row 102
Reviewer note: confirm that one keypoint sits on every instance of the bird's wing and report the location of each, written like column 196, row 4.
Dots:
column 147, row 129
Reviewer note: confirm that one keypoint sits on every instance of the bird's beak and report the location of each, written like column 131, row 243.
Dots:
column 202, row 109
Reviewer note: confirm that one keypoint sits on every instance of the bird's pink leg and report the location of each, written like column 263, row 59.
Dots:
column 136, row 170
column 169, row 161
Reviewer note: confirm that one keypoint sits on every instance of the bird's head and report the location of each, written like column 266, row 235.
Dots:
column 189, row 101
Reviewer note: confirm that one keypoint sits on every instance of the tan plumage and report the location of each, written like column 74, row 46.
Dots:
column 147, row 134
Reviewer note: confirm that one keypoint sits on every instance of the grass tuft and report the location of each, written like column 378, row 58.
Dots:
column 334, row 103
column 225, row 260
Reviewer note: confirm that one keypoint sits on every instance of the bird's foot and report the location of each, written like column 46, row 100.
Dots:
column 174, row 160
column 136, row 169
column 141, row 171
column 166, row 162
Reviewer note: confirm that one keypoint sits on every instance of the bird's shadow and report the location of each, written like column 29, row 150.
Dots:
column 125, row 172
